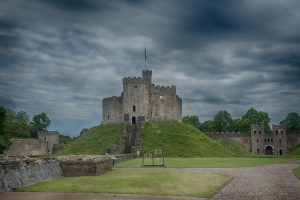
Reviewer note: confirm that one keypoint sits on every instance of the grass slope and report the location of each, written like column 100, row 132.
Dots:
column 297, row 172
column 181, row 140
column 235, row 147
column 295, row 151
column 95, row 141
column 138, row 182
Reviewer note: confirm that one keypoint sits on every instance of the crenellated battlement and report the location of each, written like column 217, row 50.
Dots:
column 163, row 89
column 133, row 80
column 227, row 134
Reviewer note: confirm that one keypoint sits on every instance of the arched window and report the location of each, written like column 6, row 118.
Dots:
column 257, row 141
column 133, row 108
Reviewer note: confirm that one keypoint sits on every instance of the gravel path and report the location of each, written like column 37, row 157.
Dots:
column 267, row 182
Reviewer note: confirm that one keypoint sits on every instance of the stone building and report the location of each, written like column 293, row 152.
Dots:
column 51, row 137
column 276, row 142
column 141, row 98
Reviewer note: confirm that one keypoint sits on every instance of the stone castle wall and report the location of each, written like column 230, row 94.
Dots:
column 27, row 147
column 257, row 140
column 19, row 171
column 51, row 137
column 242, row 138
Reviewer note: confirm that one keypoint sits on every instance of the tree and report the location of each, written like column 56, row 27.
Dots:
column 223, row 121
column 39, row 122
column 83, row 131
column 239, row 125
column 252, row 116
column 292, row 121
column 193, row 120
column 207, row 126
column 4, row 135
column 17, row 124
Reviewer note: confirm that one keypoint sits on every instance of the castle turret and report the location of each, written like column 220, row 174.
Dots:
column 147, row 75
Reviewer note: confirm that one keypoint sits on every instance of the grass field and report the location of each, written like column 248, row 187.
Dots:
column 138, row 182
column 209, row 162
column 181, row 140
column 297, row 172
column 295, row 151
column 96, row 141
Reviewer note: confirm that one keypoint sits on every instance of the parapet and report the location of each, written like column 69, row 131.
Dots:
column 227, row 134
column 164, row 89
column 112, row 99
column 133, row 80
column 147, row 72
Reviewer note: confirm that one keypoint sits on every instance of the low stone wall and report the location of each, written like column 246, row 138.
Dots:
column 27, row 147
column 19, row 171
column 85, row 165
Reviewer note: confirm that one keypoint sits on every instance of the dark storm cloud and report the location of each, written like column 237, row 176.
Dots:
column 63, row 57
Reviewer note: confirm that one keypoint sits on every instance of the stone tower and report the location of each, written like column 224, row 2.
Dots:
column 141, row 98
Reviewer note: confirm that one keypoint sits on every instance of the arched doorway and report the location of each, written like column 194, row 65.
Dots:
column 269, row 150
column 280, row 152
column 133, row 120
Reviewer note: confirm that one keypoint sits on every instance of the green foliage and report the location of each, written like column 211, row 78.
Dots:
column 252, row 116
column 181, row 140
column 39, row 122
column 235, row 147
column 96, row 140
column 138, row 182
column 17, row 124
column 64, row 139
column 83, row 131
column 240, row 125
column 223, row 121
column 207, row 126
column 292, row 122
column 4, row 135
column 193, row 120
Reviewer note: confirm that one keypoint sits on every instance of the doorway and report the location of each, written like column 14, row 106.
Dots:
column 269, row 150
column 133, row 120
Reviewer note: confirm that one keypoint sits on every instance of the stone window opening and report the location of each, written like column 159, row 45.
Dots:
column 133, row 108
column 257, row 150
column 265, row 140
column 276, row 131
column 271, row 140
column 257, row 141
column 268, row 140
column 135, row 86
column 107, row 116
column 281, row 132
column 254, row 131
column 279, row 140
column 259, row 132
column 161, row 97
column 45, row 138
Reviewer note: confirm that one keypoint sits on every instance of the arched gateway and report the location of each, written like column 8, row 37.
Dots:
column 269, row 150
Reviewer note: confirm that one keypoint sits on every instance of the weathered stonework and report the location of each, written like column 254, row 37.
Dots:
column 85, row 165
column 19, row 171
column 30, row 147
column 277, row 142
column 142, row 98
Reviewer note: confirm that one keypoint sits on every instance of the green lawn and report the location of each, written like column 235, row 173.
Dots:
column 297, row 172
column 96, row 140
column 209, row 162
column 138, row 182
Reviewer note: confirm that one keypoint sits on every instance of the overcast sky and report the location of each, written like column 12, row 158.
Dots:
column 62, row 57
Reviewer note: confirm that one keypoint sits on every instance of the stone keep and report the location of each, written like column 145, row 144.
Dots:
column 142, row 98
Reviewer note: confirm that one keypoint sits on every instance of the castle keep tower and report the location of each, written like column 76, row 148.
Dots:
column 141, row 98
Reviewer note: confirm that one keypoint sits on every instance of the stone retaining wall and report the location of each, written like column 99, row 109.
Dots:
column 85, row 165
column 19, row 171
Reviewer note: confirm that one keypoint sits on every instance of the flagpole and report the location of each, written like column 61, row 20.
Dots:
column 145, row 56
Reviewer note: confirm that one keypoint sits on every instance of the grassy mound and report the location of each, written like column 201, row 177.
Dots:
column 181, row 140
column 235, row 147
column 96, row 140
column 295, row 151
